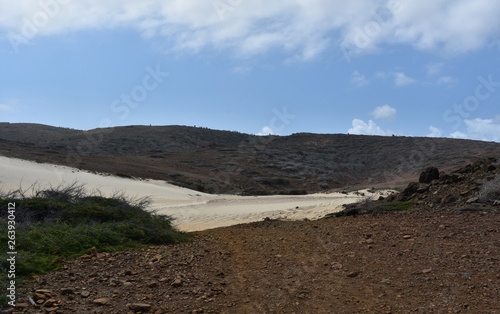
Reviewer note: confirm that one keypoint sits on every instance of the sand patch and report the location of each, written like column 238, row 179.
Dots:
column 191, row 210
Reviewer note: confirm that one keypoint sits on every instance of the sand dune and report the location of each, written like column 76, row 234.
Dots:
column 191, row 210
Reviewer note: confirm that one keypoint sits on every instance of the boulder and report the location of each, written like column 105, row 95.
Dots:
column 411, row 189
column 430, row 174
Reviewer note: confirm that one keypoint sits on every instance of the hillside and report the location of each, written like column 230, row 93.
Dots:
column 229, row 162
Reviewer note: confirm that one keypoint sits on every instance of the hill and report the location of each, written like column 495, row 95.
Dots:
column 216, row 161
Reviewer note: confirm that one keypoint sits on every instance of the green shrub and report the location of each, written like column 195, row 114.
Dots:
column 393, row 206
column 63, row 223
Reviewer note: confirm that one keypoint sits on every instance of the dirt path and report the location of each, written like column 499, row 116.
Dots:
column 418, row 261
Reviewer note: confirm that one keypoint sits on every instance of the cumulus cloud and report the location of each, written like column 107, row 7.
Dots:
column 434, row 132
column 359, row 79
column 458, row 134
column 303, row 29
column 267, row 130
column 401, row 79
column 370, row 128
column 384, row 112
column 483, row 129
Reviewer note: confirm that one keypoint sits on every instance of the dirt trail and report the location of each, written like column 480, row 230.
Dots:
column 418, row 261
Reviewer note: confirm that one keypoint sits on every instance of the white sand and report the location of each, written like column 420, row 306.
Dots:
column 191, row 210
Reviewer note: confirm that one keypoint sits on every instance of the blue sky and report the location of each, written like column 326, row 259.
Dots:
column 413, row 68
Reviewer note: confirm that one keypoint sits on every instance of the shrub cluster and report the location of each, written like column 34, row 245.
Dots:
column 490, row 191
column 65, row 222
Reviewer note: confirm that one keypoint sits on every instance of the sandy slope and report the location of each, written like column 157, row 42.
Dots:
column 192, row 210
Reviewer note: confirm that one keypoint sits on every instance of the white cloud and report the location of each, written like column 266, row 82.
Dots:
column 384, row 112
column 458, row 134
column 434, row 132
column 370, row 128
column 301, row 28
column 359, row 79
column 483, row 129
column 400, row 79
column 267, row 130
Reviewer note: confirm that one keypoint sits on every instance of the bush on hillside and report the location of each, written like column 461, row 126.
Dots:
column 490, row 191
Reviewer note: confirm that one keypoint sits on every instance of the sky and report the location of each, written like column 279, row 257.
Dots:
column 380, row 67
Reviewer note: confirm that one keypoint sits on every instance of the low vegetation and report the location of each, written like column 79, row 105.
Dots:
column 64, row 222
column 490, row 191
column 368, row 206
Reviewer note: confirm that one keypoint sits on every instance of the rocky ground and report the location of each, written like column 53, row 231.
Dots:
column 442, row 256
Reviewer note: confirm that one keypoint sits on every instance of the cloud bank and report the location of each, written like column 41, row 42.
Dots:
column 303, row 29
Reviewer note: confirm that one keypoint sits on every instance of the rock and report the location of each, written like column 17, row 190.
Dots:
column 39, row 296
column 430, row 174
column 152, row 284
column 472, row 200
column 443, row 177
column 67, row 291
column 177, row 282
column 353, row 274
column 44, row 291
column 391, row 197
column 50, row 303
column 139, row 307
column 85, row 294
column 336, row 266
column 407, row 236
column 448, row 198
column 411, row 189
column 101, row 301
column 423, row 188
column 455, row 178
column 20, row 305
column 369, row 241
